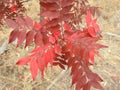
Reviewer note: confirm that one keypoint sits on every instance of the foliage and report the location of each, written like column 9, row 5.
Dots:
column 60, row 40
column 10, row 9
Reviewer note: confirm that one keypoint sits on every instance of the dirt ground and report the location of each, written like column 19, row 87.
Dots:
column 14, row 77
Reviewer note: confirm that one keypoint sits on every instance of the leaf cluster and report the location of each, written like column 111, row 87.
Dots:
column 10, row 9
column 60, row 40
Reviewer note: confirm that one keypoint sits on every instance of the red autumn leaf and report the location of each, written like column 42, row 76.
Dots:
column 66, row 17
column 23, row 61
column 52, row 23
column 20, row 21
column 96, row 85
column 51, row 56
column 76, row 76
column 65, row 9
column 50, row 14
column 92, row 53
column 88, row 18
column 21, row 37
column 34, row 68
column 49, row 6
column 45, row 59
column 47, row 56
column 29, row 38
column 87, row 86
column 39, row 49
column 94, row 21
column 37, row 26
column 29, row 22
column 65, row 3
column 73, row 69
column 97, row 28
column 54, row 28
column 13, row 35
column 81, row 83
column 91, row 31
column 93, row 76
column 72, row 37
column 11, row 23
column 41, row 66
column 38, row 39
column 52, row 1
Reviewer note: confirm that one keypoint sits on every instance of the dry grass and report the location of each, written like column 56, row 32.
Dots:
column 13, row 77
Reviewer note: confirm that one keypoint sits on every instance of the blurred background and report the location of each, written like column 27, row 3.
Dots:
column 14, row 77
